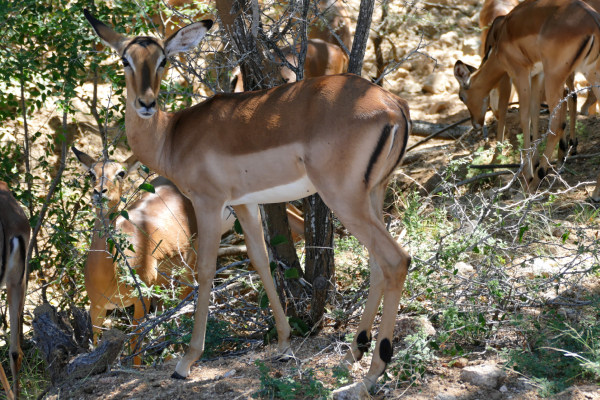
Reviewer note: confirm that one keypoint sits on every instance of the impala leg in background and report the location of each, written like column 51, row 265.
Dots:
column 249, row 217
column 554, row 87
column 596, row 195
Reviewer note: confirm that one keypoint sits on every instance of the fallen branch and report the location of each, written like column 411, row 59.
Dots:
column 232, row 251
column 554, row 162
column 425, row 128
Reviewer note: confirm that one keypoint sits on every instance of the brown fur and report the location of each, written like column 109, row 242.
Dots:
column 14, row 242
column 543, row 31
column 321, row 134
column 160, row 229
column 333, row 20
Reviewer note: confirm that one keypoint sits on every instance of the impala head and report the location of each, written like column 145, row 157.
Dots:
column 107, row 179
column 476, row 103
column 144, row 59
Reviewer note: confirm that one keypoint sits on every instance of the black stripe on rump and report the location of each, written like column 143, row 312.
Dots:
column 581, row 48
column 22, row 255
column 377, row 152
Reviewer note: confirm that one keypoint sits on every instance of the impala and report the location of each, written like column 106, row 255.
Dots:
column 531, row 39
column 596, row 194
column 14, row 241
column 160, row 227
column 339, row 135
column 491, row 10
column 322, row 58
column 332, row 24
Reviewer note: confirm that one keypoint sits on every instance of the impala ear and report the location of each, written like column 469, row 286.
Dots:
column 83, row 158
column 187, row 37
column 462, row 73
column 111, row 38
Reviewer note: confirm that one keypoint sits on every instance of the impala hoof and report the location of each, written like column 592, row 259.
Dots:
column 283, row 358
column 176, row 375
column 354, row 391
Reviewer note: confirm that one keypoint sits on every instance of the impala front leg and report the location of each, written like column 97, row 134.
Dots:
column 209, row 233
column 249, row 217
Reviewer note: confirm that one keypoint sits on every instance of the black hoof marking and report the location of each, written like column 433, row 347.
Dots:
column 177, row 376
column 283, row 358
column 363, row 341
column 385, row 350
column 562, row 145
column 541, row 173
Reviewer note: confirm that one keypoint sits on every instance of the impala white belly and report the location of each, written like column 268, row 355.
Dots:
column 290, row 191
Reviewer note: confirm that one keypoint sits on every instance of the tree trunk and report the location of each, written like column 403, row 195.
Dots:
column 318, row 220
column 320, row 263
column 259, row 73
column 64, row 343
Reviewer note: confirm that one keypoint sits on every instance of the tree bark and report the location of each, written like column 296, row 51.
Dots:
column 320, row 263
column 259, row 73
column 64, row 343
column 361, row 36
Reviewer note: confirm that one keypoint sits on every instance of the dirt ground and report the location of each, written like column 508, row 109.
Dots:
column 238, row 377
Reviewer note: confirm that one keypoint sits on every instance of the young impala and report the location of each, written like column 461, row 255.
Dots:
column 160, row 227
column 337, row 135
column 555, row 37
column 14, row 241
column 322, row 58
column 332, row 24
column 491, row 10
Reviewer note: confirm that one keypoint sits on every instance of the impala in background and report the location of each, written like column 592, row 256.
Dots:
column 14, row 241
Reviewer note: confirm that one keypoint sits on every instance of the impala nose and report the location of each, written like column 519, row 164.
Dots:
column 147, row 106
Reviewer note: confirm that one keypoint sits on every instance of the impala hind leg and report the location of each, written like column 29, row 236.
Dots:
column 554, row 91
column 249, row 217
column 363, row 218
column 209, row 229
column 16, row 300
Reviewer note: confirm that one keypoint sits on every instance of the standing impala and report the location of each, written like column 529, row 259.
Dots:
column 556, row 37
column 337, row 135
column 14, row 241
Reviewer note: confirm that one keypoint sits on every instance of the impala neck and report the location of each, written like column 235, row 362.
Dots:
column 146, row 137
column 487, row 76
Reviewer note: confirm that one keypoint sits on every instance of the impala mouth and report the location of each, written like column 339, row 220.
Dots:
column 480, row 128
column 145, row 113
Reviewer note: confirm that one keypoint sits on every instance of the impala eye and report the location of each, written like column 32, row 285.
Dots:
column 121, row 174
column 125, row 62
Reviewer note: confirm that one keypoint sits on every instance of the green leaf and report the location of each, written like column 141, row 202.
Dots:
column 522, row 231
column 237, row 227
column 264, row 301
column 148, row 187
column 145, row 169
column 125, row 214
column 278, row 239
column 291, row 273
column 298, row 326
